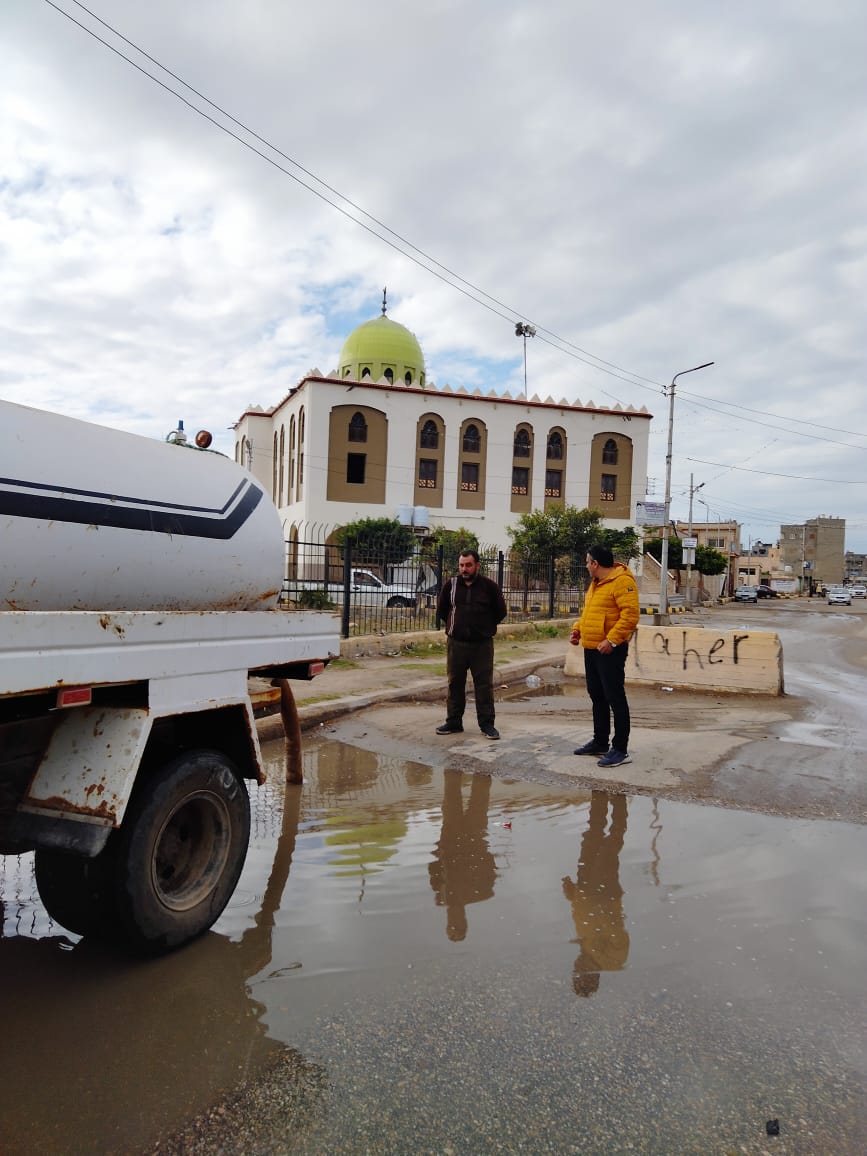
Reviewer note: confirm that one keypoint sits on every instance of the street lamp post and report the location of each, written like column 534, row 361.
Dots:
column 692, row 490
column 721, row 544
column 663, row 575
column 523, row 329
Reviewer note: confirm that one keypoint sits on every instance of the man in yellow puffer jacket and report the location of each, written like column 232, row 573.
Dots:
column 606, row 624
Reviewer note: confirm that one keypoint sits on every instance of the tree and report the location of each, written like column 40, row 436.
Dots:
column 570, row 531
column 376, row 541
column 452, row 542
column 653, row 547
column 707, row 560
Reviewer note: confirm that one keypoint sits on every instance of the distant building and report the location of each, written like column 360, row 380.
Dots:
column 814, row 550
column 854, row 566
column 376, row 438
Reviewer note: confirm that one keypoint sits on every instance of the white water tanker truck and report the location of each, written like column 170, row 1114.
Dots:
column 138, row 592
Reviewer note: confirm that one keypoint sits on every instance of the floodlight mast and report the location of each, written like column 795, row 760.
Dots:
column 662, row 617
column 525, row 330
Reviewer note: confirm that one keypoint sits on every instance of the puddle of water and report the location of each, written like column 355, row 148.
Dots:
column 460, row 961
column 524, row 692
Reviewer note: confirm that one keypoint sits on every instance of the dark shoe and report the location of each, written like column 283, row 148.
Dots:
column 614, row 759
column 450, row 729
column 490, row 731
column 591, row 748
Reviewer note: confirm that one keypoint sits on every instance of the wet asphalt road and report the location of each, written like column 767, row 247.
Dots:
column 418, row 960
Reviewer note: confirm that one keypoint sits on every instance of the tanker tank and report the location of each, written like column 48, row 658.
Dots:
column 95, row 519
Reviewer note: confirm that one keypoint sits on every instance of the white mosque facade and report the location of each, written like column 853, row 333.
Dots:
column 376, row 439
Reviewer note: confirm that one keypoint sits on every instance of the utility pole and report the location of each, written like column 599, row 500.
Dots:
column 662, row 617
column 692, row 490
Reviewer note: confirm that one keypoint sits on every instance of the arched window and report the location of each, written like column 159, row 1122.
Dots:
column 472, row 440
column 365, row 372
column 291, row 478
column 389, row 376
column 429, row 438
column 609, row 453
column 300, row 475
column 357, row 428
column 522, row 444
column 407, row 378
column 555, row 446
column 281, row 451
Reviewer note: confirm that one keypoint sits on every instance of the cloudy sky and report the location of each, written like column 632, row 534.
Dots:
column 652, row 185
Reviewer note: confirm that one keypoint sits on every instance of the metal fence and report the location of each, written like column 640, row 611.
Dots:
column 376, row 593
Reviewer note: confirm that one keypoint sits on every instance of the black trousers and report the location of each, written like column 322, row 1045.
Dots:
column 605, row 675
column 476, row 658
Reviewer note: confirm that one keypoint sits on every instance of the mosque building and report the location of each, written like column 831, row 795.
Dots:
column 376, row 438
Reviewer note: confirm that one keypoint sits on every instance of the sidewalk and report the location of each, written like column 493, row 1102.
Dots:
column 395, row 668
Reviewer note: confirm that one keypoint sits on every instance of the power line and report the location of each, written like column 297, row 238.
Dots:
column 423, row 260
column 763, row 413
column 793, row 477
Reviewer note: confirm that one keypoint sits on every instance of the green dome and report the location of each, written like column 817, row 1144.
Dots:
column 380, row 346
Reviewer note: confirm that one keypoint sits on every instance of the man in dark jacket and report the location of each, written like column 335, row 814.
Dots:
column 471, row 606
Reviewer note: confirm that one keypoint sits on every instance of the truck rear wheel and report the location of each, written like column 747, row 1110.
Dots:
column 76, row 892
column 180, row 850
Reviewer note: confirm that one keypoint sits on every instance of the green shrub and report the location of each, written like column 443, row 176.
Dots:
column 315, row 600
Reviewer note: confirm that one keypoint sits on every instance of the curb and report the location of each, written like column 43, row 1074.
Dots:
column 426, row 690
column 671, row 610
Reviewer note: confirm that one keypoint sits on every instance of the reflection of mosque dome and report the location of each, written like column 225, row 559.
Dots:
column 383, row 348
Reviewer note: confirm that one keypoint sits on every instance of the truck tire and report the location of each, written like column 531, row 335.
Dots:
column 76, row 892
column 396, row 600
column 180, row 850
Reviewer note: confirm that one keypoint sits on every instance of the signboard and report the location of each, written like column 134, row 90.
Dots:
column 650, row 513
column 689, row 556
column 689, row 543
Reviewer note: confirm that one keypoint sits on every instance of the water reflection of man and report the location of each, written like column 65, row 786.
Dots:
column 597, row 897
column 463, row 870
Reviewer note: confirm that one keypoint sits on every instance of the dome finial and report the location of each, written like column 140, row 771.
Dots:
column 384, row 305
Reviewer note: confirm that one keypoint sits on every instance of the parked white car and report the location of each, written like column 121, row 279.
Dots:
column 858, row 591
column 368, row 590
column 839, row 595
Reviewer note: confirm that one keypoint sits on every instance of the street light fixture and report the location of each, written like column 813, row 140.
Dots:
column 663, row 575
column 525, row 330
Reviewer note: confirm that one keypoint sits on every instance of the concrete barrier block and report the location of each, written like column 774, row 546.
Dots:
column 739, row 661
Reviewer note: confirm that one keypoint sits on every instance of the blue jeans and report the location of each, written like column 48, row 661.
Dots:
column 605, row 675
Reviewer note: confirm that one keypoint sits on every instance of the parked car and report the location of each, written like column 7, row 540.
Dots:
column 766, row 592
column 367, row 590
column 858, row 591
column 839, row 595
column 747, row 594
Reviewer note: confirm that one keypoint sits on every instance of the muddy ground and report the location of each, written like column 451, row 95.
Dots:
column 798, row 754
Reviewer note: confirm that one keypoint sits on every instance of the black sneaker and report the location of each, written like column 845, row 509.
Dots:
column 450, row 729
column 591, row 748
column 614, row 759
column 490, row 731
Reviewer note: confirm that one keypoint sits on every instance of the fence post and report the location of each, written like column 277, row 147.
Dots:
column 347, row 583
column 552, row 578
column 501, row 569
column 441, row 555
